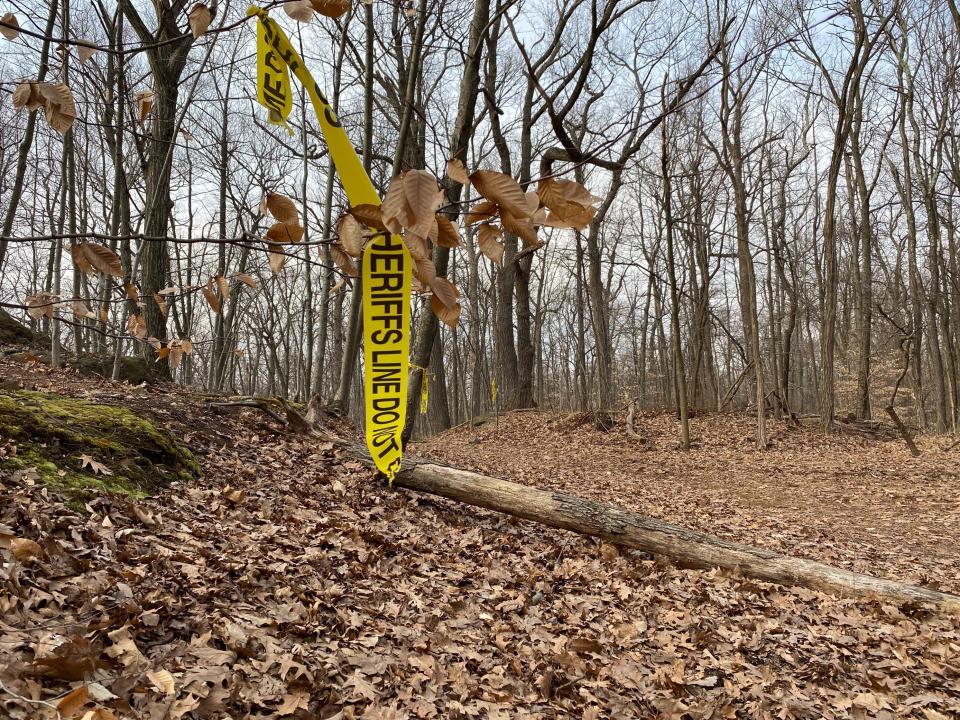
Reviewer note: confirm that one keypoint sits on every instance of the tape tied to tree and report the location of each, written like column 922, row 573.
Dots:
column 386, row 266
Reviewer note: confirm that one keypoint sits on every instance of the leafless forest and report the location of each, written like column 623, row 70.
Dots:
column 773, row 228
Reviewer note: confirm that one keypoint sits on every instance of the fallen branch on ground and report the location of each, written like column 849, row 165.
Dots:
column 629, row 529
column 690, row 548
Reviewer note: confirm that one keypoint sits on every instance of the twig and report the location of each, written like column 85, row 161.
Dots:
column 30, row 701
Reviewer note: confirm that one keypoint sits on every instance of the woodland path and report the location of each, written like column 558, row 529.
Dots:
column 286, row 583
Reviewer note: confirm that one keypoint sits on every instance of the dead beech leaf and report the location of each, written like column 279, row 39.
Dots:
column 343, row 261
column 457, row 172
column 445, row 290
column 124, row 648
column 350, row 233
column 103, row 259
column 163, row 681
column 369, row 215
column 521, row 227
column 161, row 303
column 448, row 233
column 299, row 10
column 285, row 233
column 98, row 467
column 72, row 703
column 246, row 280
column 26, row 95
column 223, row 285
column 212, row 300
column 137, row 326
column 200, row 18
column 59, row 107
column 331, row 8
column 25, row 549
column 9, row 27
column 86, row 50
column 281, row 207
column 423, row 196
column 488, row 240
column 423, row 269
column 233, row 494
column 276, row 257
column 447, row 315
column 41, row 305
column 395, row 211
column 132, row 292
column 481, row 212
column 144, row 100
column 80, row 309
column 503, row 190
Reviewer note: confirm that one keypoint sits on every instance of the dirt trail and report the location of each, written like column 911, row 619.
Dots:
column 287, row 584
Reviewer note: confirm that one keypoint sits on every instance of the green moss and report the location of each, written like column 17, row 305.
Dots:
column 51, row 432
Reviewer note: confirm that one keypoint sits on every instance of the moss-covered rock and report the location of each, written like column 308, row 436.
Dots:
column 50, row 433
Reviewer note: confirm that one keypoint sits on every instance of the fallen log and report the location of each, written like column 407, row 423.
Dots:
column 689, row 548
column 623, row 527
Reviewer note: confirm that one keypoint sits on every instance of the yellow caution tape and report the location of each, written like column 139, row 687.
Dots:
column 386, row 267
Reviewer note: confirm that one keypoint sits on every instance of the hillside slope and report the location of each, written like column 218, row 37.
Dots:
column 287, row 583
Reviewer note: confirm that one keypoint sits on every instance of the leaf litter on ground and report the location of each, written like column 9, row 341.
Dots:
column 288, row 584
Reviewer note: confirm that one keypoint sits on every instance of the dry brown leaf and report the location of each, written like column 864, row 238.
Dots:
column 331, row 8
column 521, row 227
column 423, row 197
column 281, row 207
column 448, row 233
column 447, row 315
column 144, row 100
column 276, row 257
column 86, row 461
column 481, row 212
column 503, row 190
column 423, row 269
column 233, row 494
column 86, row 50
column 445, row 290
column 299, row 10
column 41, row 305
column 163, row 681
column 80, row 309
column 9, row 27
column 59, row 107
column 132, row 292
column 246, row 279
column 488, row 240
column 457, row 172
column 369, row 215
column 285, row 233
column 137, row 326
column 395, row 211
column 223, row 285
column 212, row 300
column 343, row 260
column 161, row 303
column 72, row 703
column 27, row 96
column 350, row 233
column 90, row 257
column 25, row 549
column 200, row 18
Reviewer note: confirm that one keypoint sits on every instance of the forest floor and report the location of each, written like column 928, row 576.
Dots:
column 287, row 583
